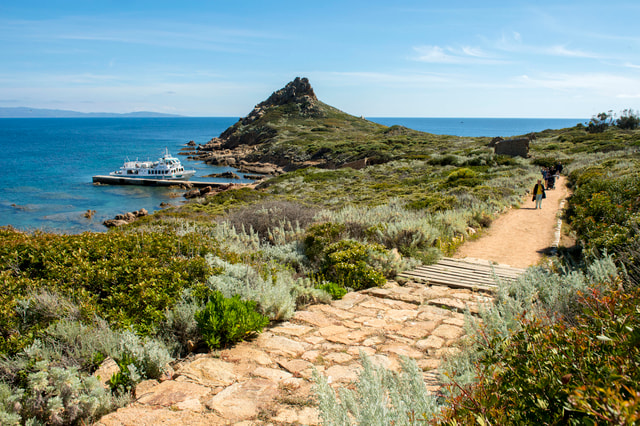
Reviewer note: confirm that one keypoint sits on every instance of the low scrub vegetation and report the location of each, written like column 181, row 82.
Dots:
column 218, row 270
column 559, row 346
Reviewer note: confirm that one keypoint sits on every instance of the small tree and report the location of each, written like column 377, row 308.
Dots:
column 628, row 120
column 599, row 123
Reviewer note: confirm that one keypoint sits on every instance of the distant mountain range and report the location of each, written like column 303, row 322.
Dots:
column 26, row 112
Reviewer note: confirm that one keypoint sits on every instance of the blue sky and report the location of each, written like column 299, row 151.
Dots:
column 564, row 59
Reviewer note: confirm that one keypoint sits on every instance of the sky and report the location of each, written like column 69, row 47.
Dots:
column 533, row 59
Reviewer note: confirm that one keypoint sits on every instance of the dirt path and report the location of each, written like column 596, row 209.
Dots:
column 520, row 237
column 267, row 381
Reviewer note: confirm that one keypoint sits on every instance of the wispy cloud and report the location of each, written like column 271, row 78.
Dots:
column 129, row 31
column 560, row 50
column 398, row 78
column 450, row 55
column 602, row 83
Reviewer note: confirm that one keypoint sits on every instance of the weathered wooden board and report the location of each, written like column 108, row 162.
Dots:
column 458, row 273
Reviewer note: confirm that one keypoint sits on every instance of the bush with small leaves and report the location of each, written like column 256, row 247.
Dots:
column 381, row 397
column 347, row 262
column 54, row 396
column 228, row 320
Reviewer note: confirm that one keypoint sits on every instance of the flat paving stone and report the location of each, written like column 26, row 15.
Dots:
column 242, row 401
column 318, row 319
column 448, row 332
column 280, row 345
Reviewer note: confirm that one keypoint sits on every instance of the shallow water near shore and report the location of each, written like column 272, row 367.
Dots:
column 49, row 162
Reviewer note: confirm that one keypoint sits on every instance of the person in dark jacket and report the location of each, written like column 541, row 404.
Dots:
column 538, row 194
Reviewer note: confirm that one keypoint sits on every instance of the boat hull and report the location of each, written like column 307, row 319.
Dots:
column 123, row 180
column 186, row 175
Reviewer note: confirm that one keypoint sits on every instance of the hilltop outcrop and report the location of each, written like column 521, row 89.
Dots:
column 289, row 130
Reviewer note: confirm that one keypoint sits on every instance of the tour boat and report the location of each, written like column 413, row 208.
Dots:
column 166, row 168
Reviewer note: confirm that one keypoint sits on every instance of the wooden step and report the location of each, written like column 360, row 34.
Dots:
column 468, row 274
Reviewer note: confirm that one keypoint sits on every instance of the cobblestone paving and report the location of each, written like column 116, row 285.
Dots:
column 267, row 381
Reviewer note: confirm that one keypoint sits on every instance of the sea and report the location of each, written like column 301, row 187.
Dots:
column 48, row 163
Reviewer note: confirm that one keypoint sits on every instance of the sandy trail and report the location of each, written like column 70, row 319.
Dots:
column 521, row 236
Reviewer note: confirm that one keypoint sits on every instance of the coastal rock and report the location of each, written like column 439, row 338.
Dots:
column 261, row 168
column 106, row 370
column 224, row 175
column 125, row 218
column 253, row 177
column 113, row 223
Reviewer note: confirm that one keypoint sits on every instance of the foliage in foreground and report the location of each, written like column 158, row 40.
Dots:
column 605, row 209
column 228, row 320
column 381, row 397
column 584, row 371
column 127, row 279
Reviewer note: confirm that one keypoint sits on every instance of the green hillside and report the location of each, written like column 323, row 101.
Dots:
column 215, row 270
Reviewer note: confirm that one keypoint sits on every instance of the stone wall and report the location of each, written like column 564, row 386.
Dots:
column 513, row 147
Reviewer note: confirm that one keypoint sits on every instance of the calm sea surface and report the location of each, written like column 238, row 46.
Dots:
column 48, row 162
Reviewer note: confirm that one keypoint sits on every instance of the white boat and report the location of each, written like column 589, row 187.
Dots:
column 166, row 168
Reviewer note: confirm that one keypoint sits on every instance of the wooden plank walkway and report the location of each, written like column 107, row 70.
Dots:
column 469, row 274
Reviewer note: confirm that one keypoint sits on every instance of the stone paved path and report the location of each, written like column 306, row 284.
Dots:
column 267, row 381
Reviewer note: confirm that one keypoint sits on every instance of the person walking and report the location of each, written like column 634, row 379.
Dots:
column 538, row 194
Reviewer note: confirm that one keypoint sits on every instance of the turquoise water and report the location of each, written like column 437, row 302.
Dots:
column 48, row 163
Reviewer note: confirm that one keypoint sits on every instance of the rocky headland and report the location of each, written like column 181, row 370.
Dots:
column 267, row 142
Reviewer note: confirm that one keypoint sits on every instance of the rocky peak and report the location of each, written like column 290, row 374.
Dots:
column 297, row 91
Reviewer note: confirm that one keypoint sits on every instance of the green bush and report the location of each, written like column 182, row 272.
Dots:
column 346, row 263
column 128, row 278
column 336, row 291
column 319, row 236
column 228, row 320
column 462, row 173
column 585, row 371
column 604, row 210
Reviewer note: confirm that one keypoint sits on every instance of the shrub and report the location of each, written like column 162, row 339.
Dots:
column 345, row 262
column 462, row 173
column 319, row 236
column 266, row 284
column 581, row 372
column 228, row 320
column 54, row 396
column 628, row 120
column 381, row 397
column 267, row 216
column 604, row 210
column 179, row 326
column 336, row 291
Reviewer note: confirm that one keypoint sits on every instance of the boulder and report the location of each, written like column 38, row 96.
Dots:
column 106, row 370
column 112, row 223
column 224, row 175
column 125, row 218
column 194, row 193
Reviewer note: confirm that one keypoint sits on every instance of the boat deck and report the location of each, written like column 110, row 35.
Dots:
column 122, row 180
